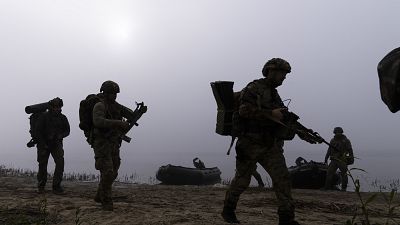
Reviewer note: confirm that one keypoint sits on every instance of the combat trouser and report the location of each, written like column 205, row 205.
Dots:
column 332, row 168
column 269, row 155
column 56, row 150
column 107, row 162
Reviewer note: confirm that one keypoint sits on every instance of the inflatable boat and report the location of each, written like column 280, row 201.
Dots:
column 310, row 175
column 178, row 175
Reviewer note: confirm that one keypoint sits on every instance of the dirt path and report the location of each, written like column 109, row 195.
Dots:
column 164, row 205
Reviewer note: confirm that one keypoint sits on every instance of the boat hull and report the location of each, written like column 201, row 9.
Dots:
column 178, row 175
column 310, row 175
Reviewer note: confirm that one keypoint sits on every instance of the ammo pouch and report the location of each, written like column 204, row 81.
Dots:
column 277, row 130
column 255, row 126
column 349, row 160
column 284, row 133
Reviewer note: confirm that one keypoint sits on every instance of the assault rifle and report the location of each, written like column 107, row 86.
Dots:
column 291, row 126
column 132, row 117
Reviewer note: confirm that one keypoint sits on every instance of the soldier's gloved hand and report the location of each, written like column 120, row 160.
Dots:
column 123, row 125
column 277, row 113
column 119, row 125
column 143, row 109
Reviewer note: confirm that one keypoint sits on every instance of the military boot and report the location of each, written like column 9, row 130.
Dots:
column 287, row 221
column 107, row 206
column 287, row 218
column 58, row 190
column 41, row 189
column 97, row 198
column 293, row 222
column 229, row 215
column 41, row 186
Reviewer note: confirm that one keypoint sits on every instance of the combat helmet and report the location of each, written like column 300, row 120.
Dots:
column 338, row 130
column 276, row 63
column 109, row 87
column 56, row 102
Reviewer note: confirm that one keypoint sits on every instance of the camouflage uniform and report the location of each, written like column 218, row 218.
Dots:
column 106, row 135
column 338, row 159
column 257, row 144
column 51, row 128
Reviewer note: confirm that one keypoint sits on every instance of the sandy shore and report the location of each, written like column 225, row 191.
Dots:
column 164, row 205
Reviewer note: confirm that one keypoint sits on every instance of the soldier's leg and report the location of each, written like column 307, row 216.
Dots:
column 97, row 197
column 106, row 180
column 244, row 170
column 343, row 173
column 42, row 158
column 245, row 166
column 58, row 155
column 330, row 174
column 98, row 165
column 274, row 163
column 108, row 173
column 103, row 163
column 116, row 160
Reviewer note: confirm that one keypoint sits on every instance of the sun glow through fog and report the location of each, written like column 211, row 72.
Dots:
column 120, row 32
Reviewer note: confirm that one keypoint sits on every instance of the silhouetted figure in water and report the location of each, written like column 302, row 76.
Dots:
column 51, row 128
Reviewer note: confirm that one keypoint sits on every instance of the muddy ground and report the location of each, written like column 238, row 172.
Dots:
column 163, row 205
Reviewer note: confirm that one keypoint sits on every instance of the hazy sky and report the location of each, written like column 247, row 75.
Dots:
column 166, row 53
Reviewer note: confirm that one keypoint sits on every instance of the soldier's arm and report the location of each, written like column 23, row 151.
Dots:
column 100, row 120
column 127, row 112
column 350, row 148
column 66, row 127
column 249, row 107
column 328, row 153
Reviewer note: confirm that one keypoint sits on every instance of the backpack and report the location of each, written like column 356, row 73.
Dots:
column 36, row 111
column 86, row 114
column 389, row 79
column 227, row 106
column 228, row 101
column 229, row 122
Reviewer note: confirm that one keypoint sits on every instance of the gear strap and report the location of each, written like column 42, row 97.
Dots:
column 230, row 146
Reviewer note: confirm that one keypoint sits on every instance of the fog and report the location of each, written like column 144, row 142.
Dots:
column 166, row 53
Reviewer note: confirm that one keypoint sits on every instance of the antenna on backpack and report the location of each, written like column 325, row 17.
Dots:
column 287, row 100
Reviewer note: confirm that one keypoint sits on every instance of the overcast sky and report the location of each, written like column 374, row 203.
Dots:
column 166, row 53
